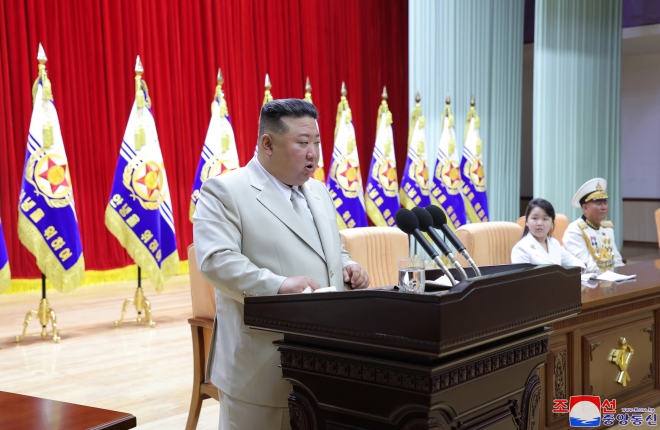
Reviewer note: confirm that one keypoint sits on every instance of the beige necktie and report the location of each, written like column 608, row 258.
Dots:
column 304, row 215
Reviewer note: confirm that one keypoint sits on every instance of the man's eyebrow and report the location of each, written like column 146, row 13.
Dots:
column 303, row 134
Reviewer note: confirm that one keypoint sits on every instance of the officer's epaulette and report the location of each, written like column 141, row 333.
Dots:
column 608, row 224
column 582, row 224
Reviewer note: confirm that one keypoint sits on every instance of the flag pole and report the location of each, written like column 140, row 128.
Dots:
column 138, row 300
column 45, row 313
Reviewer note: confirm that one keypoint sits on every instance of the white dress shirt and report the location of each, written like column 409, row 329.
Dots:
column 529, row 250
column 286, row 190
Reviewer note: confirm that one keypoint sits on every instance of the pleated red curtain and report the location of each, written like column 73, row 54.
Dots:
column 92, row 45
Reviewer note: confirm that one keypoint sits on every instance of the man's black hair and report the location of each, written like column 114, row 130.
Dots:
column 272, row 113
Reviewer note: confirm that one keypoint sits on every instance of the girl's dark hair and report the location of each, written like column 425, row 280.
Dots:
column 546, row 206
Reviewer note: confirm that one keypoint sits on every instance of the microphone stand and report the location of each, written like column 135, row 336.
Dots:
column 471, row 262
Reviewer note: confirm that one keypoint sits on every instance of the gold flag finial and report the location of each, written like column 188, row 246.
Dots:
column 47, row 95
column 308, row 91
column 220, row 78
column 343, row 89
column 139, row 69
column 267, row 95
column 41, row 55
column 472, row 102
column 448, row 99
column 418, row 97
column 384, row 109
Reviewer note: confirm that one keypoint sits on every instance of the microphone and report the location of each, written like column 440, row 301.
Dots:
column 440, row 222
column 425, row 225
column 408, row 223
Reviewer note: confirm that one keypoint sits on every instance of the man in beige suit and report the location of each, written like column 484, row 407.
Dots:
column 265, row 229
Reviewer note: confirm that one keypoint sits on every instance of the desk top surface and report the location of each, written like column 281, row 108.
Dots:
column 26, row 412
column 647, row 283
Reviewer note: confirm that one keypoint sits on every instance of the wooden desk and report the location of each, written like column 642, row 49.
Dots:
column 20, row 412
column 581, row 346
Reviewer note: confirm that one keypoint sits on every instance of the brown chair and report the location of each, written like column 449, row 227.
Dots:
column 377, row 250
column 561, row 223
column 657, row 224
column 201, row 325
column 489, row 243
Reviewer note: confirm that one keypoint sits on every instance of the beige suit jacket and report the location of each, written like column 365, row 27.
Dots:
column 248, row 239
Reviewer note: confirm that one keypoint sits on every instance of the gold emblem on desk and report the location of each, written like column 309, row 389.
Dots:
column 621, row 357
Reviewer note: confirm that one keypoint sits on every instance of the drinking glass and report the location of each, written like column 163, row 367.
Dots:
column 411, row 275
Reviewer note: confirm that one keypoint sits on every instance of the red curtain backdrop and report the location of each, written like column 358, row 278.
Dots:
column 92, row 46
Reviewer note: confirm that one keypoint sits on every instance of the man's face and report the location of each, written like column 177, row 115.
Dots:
column 292, row 157
column 596, row 210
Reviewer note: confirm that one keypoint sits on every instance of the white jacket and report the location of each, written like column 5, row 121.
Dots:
column 529, row 250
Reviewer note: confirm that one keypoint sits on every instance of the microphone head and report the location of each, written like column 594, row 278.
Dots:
column 437, row 215
column 424, row 218
column 406, row 221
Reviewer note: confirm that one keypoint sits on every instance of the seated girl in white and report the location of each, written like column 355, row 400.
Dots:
column 537, row 246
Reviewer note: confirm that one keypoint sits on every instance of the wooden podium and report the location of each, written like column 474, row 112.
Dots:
column 464, row 358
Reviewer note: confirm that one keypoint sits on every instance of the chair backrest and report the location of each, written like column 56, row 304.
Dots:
column 203, row 293
column 657, row 224
column 377, row 250
column 489, row 243
column 561, row 223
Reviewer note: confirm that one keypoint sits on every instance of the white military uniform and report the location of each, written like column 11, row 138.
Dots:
column 592, row 244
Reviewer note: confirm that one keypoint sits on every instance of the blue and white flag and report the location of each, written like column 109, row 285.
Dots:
column 382, row 197
column 268, row 97
column 219, row 154
column 139, row 213
column 447, row 180
column 5, row 274
column 345, row 182
column 415, row 182
column 472, row 168
column 47, row 223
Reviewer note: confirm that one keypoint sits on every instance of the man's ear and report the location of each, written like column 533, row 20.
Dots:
column 266, row 144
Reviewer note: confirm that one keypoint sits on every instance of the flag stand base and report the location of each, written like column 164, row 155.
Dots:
column 46, row 315
column 141, row 304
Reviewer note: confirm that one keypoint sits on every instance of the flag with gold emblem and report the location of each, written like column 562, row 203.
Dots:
column 5, row 274
column 219, row 154
column 139, row 213
column 472, row 169
column 47, row 222
column 415, row 182
column 319, row 173
column 382, row 197
column 268, row 97
column 345, row 181
column 447, row 181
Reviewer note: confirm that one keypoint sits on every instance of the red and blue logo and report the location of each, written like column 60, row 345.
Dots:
column 584, row 411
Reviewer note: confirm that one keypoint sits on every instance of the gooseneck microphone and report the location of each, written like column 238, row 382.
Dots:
column 440, row 222
column 408, row 223
column 426, row 226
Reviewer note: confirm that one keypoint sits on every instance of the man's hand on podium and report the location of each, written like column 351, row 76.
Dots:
column 297, row 284
column 356, row 276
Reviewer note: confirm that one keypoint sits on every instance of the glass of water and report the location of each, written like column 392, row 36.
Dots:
column 411, row 275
